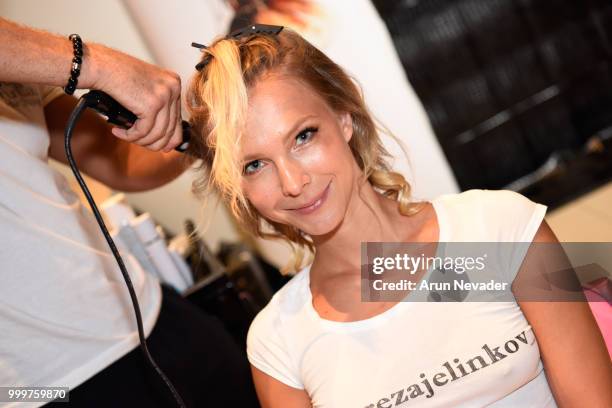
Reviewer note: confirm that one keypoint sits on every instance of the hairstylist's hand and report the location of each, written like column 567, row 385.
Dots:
column 29, row 56
column 153, row 94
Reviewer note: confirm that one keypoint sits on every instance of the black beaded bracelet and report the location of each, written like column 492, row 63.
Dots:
column 77, row 46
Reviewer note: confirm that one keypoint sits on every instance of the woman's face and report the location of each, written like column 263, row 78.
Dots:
column 297, row 166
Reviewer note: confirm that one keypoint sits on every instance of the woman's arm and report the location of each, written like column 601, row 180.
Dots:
column 275, row 394
column 119, row 164
column 573, row 351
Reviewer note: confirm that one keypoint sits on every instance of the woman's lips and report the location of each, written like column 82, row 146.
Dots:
column 317, row 203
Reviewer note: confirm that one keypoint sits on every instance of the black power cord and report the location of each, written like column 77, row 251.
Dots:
column 93, row 100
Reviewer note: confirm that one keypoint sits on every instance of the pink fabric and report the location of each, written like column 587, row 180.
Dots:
column 599, row 295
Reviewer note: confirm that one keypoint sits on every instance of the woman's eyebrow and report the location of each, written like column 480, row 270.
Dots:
column 287, row 135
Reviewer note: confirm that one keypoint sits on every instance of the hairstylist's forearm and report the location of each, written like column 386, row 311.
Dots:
column 145, row 170
column 118, row 164
column 152, row 93
column 29, row 55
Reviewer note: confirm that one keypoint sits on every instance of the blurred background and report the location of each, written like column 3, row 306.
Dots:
column 484, row 93
column 491, row 94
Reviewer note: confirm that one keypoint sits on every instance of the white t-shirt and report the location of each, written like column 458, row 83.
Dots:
column 447, row 354
column 65, row 311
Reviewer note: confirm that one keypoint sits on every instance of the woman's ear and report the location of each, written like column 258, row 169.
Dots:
column 346, row 125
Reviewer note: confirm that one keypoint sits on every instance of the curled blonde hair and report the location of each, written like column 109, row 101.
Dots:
column 218, row 101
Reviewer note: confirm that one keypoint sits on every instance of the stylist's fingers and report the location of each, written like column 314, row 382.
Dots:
column 175, row 115
column 147, row 122
column 163, row 128
column 139, row 129
column 158, row 133
column 176, row 136
column 163, row 143
column 157, row 97
column 164, row 117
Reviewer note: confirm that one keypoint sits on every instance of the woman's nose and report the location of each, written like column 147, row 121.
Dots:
column 293, row 176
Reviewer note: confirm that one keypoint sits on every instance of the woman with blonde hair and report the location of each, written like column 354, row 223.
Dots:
column 288, row 143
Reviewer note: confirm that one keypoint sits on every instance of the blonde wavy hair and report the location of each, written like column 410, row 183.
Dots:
column 217, row 101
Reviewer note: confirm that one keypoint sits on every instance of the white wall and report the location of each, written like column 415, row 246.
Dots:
column 102, row 21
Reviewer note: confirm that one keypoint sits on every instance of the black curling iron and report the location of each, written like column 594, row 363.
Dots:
column 119, row 116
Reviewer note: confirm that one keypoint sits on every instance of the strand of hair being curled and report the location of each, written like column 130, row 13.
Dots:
column 217, row 101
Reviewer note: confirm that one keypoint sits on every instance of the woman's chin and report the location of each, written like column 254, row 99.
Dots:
column 322, row 227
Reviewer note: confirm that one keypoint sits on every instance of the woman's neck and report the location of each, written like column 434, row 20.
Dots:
column 369, row 217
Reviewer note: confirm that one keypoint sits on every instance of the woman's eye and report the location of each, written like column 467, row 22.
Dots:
column 252, row 167
column 305, row 135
